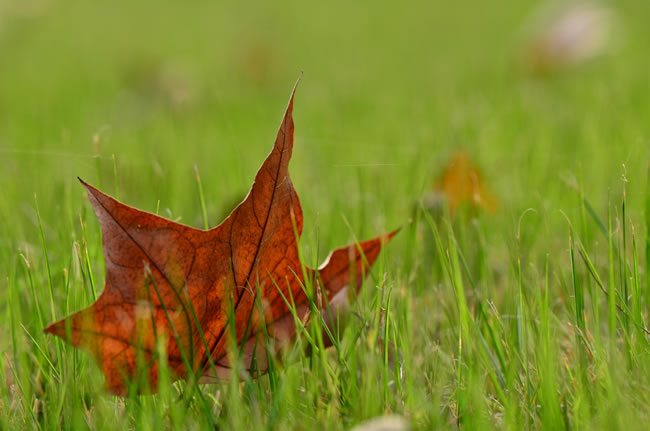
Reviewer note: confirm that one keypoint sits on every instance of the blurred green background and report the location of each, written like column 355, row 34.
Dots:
column 389, row 92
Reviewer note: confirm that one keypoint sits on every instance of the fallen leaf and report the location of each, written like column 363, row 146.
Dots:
column 461, row 181
column 164, row 278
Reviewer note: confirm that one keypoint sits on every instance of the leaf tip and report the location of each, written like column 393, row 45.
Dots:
column 91, row 189
column 55, row 328
column 302, row 72
column 385, row 238
column 85, row 184
column 293, row 92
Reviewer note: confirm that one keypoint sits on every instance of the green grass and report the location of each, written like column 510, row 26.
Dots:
column 521, row 319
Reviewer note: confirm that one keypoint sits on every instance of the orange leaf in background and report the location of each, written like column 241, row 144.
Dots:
column 166, row 278
column 461, row 181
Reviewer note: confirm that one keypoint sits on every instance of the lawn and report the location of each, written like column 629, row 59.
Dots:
column 531, row 316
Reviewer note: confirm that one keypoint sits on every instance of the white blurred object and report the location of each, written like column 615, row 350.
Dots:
column 383, row 423
column 568, row 34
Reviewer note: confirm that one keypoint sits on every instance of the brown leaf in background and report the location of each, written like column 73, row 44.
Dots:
column 166, row 278
column 461, row 181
